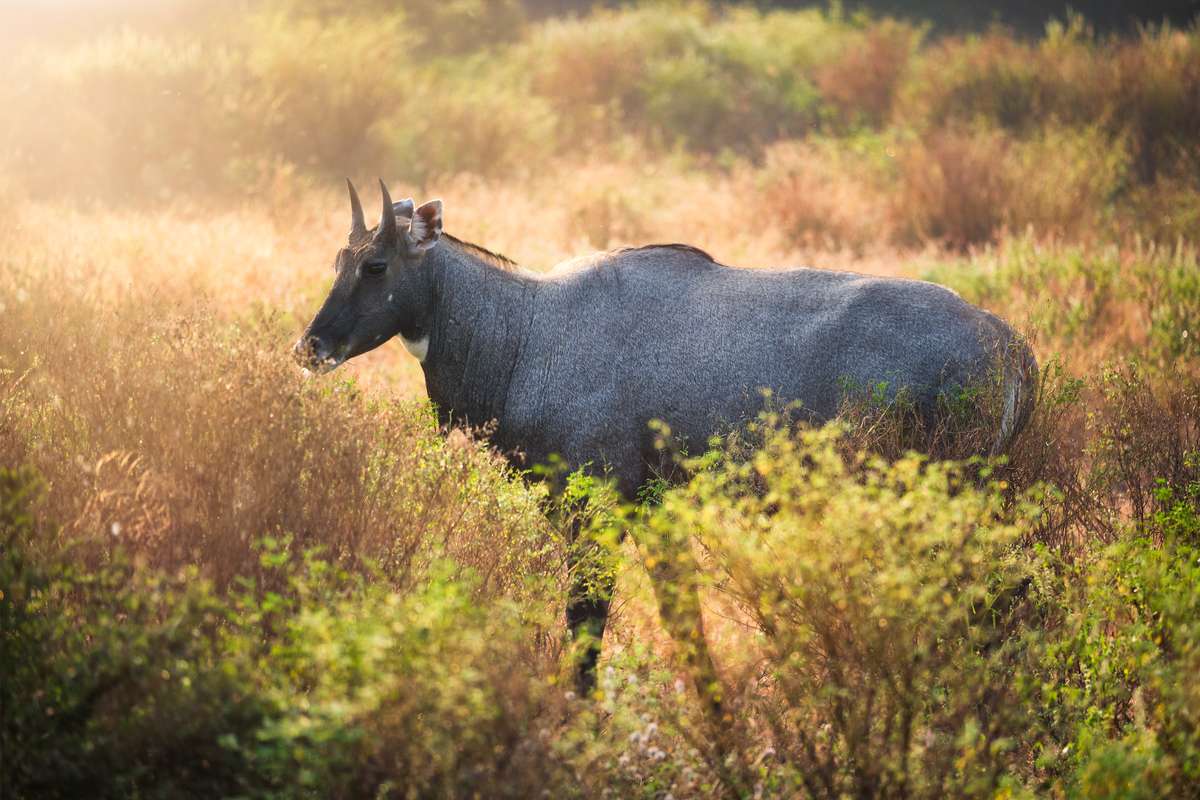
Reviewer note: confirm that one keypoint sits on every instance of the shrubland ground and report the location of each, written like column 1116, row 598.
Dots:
column 222, row 578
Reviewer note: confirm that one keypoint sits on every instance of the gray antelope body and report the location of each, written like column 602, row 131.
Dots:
column 577, row 363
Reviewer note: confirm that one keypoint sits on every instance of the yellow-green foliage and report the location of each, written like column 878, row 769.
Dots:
column 1140, row 302
column 686, row 75
column 886, row 601
column 1118, row 693
column 121, row 681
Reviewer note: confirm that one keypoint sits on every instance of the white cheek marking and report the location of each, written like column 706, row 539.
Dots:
column 418, row 347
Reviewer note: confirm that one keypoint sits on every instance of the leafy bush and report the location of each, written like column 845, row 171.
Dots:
column 121, row 681
column 862, row 82
column 1146, row 442
column 888, row 604
column 1119, row 692
column 1081, row 302
column 441, row 127
column 115, row 681
column 711, row 82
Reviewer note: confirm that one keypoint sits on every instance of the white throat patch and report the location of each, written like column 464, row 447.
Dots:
column 418, row 347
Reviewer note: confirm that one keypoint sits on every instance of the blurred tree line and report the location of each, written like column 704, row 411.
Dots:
column 1026, row 16
column 69, row 19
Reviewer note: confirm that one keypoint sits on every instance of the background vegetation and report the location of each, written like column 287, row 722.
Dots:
column 220, row 578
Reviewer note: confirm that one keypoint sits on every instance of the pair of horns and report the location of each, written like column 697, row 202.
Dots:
column 387, row 231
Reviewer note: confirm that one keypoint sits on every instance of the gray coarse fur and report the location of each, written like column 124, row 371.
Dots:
column 579, row 363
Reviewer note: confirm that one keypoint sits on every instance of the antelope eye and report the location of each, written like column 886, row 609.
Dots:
column 375, row 266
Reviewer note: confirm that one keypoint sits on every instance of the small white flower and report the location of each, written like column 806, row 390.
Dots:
column 116, row 529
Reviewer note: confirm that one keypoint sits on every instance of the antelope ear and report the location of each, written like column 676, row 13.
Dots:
column 426, row 226
column 403, row 208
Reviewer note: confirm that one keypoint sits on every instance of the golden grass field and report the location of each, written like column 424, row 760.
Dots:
column 222, row 577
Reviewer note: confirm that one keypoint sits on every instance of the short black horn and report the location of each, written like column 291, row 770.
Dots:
column 387, row 220
column 358, row 225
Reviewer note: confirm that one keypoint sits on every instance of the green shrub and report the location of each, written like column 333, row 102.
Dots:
column 862, row 82
column 441, row 126
column 1137, row 301
column 686, row 74
column 115, row 681
column 889, row 604
column 312, row 88
column 994, row 78
column 121, row 681
column 1145, row 440
column 426, row 693
column 1119, row 691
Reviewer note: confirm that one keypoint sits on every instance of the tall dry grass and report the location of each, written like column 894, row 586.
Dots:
column 168, row 415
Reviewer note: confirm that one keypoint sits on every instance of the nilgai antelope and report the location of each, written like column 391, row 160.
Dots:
column 578, row 363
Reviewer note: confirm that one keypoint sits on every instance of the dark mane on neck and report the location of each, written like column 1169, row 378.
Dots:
column 495, row 259
column 685, row 248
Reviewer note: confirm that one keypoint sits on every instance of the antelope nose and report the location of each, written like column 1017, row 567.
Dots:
column 309, row 350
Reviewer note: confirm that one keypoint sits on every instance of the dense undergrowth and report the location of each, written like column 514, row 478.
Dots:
column 222, row 578
column 219, row 577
